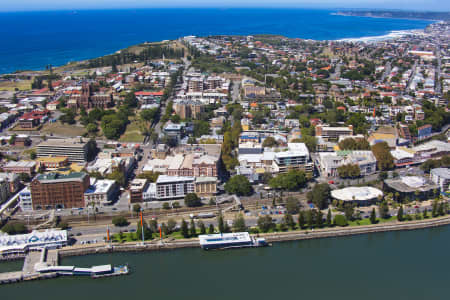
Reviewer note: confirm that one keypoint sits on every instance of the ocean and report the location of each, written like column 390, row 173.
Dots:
column 32, row 40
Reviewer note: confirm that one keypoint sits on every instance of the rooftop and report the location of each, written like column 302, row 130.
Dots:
column 441, row 172
column 56, row 177
column 20, row 164
column 169, row 179
column 356, row 193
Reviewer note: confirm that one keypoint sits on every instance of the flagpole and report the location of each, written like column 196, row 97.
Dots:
column 142, row 226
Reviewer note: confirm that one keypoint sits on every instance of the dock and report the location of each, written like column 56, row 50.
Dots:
column 43, row 264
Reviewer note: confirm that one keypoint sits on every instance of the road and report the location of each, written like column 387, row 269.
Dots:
column 387, row 71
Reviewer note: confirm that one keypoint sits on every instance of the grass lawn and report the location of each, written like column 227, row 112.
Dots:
column 131, row 236
column 133, row 133
column 12, row 85
column 58, row 128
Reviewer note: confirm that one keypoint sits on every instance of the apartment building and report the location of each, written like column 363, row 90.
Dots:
column 174, row 187
column 296, row 158
column 328, row 162
column 441, row 177
column 137, row 187
column 333, row 133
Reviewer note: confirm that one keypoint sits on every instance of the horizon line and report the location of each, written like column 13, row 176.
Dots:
column 315, row 7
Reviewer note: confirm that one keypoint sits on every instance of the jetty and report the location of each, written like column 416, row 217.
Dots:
column 44, row 264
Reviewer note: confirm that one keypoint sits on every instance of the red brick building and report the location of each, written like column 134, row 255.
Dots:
column 50, row 191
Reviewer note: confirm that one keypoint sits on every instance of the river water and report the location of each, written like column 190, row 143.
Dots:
column 393, row 265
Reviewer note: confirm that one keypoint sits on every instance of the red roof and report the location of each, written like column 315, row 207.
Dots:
column 36, row 114
column 143, row 93
column 44, row 90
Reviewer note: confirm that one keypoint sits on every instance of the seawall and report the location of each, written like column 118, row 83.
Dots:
column 270, row 237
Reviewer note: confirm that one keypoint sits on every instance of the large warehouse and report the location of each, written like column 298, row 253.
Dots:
column 364, row 195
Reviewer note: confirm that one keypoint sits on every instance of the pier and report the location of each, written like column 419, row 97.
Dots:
column 43, row 264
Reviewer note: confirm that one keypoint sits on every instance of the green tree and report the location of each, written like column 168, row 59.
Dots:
column 118, row 176
column 400, row 214
column 136, row 208
column 373, row 216
column 211, row 229
column 383, row 210
column 292, row 180
column 292, row 206
column 14, row 228
column 184, row 229
column 319, row 218
column 269, row 142
column 192, row 229
column 239, row 185
column 310, row 217
column 340, row 220
column 320, row 195
column 147, row 231
column 301, row 220
column 434, row 210
column 202, row 227
column 289, row 221
column 91, row 128
column 265, row 223
column 33, row 154
column 441, row 210
column 329, row 218
column 239, row 224
column 348, row 211
column 192, row 200
column 425, row 214
column 383, row 155
column 120, row 221
column 171, row 225
column 220, row 223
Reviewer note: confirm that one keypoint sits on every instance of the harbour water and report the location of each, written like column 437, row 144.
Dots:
column 393, row 265
column 32, row 40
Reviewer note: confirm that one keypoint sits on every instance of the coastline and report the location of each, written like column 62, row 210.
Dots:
column 393, row 34
column 344, row 14
column 270, row 237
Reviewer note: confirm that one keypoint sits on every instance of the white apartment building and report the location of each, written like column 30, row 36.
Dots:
column 328, row 162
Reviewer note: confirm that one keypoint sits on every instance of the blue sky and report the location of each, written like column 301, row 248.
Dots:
column 21, row 5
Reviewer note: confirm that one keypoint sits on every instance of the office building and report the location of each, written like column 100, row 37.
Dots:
column 76, row 150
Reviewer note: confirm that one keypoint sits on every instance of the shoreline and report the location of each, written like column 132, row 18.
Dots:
column 344, row 14
column 270, row 237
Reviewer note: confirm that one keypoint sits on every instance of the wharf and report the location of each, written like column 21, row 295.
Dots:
column 43, row 264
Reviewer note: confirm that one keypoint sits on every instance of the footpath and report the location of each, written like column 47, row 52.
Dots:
column 169, row 244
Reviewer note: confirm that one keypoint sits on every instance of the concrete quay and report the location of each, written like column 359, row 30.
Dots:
column 28, row 272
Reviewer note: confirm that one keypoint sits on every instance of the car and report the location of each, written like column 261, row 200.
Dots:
column 331, row 182
column 79, row 233
column 132, row 230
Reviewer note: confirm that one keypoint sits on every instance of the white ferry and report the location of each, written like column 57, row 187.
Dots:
column 230, row 241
